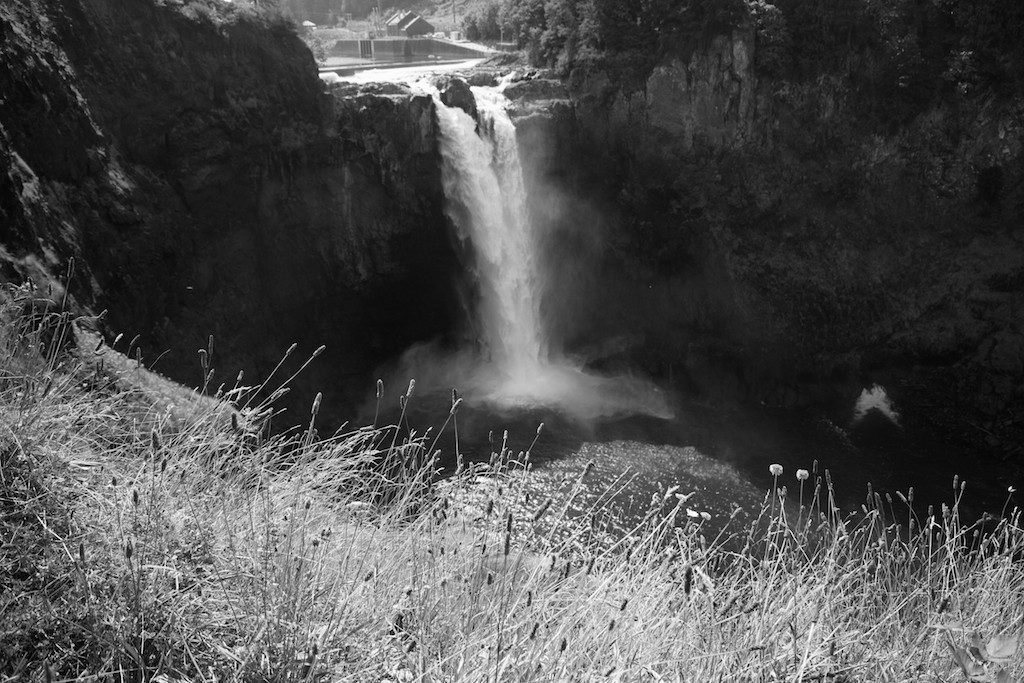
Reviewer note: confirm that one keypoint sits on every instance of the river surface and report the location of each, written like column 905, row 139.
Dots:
column 720, row 454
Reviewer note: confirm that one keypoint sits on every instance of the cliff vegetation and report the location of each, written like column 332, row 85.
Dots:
column 907, row 51
column 154, row 534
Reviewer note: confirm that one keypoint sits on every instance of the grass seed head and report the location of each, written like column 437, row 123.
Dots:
column 541, row 510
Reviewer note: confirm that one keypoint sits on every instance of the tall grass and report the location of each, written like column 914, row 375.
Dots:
column 139, row 544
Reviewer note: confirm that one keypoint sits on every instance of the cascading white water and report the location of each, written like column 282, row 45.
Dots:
column 514, row 363
column 483, row 183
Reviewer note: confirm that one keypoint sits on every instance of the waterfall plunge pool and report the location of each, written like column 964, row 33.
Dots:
column 720, row 454
column 640, row 442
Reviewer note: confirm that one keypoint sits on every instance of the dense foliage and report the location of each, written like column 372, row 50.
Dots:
column 570, row 33
column 908, row 49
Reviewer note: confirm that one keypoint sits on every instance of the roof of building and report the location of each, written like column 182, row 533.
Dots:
column 398, row 18
column 403, row 20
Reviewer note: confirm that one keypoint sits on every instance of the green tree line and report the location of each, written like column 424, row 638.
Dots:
column 908, row 48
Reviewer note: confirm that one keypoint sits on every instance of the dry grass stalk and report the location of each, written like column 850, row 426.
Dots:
column 138, row 546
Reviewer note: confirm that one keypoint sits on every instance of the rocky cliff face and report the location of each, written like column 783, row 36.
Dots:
column 703, row 99
column 207, row 184
column 762, row 240
column 735, row 237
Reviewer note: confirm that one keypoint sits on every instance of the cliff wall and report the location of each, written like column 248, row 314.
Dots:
column 768, row 240
column 192, row 162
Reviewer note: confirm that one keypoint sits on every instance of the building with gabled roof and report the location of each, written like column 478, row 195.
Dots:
column 408, row 25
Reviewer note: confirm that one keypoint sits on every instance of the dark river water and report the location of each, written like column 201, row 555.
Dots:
column 721, row 455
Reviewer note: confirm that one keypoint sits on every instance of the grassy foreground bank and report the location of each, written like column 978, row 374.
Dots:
column 150, row 534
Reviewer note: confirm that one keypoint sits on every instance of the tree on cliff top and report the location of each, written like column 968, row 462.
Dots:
column 902, row 52
column 626, row 36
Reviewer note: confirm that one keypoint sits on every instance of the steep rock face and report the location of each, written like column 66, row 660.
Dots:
column 764, row 242
column 705, row 98
column 207, row 185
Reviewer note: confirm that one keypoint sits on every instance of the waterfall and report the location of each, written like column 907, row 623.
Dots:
column 486, row 200
column 514, row 363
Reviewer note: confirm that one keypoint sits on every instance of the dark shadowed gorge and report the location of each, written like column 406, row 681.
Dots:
column 745, row 239
column 735, row 229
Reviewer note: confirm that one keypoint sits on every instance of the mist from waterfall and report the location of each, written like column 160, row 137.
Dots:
column 511, row 362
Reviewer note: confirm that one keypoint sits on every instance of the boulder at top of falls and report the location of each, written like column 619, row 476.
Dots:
column 487, row 79
column 536, row 89
column 457, row 93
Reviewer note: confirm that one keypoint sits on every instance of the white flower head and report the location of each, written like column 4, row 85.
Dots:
column 775, row 469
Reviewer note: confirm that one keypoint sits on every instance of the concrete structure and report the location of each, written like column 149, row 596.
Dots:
column 407, row 25
column 401, row 49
